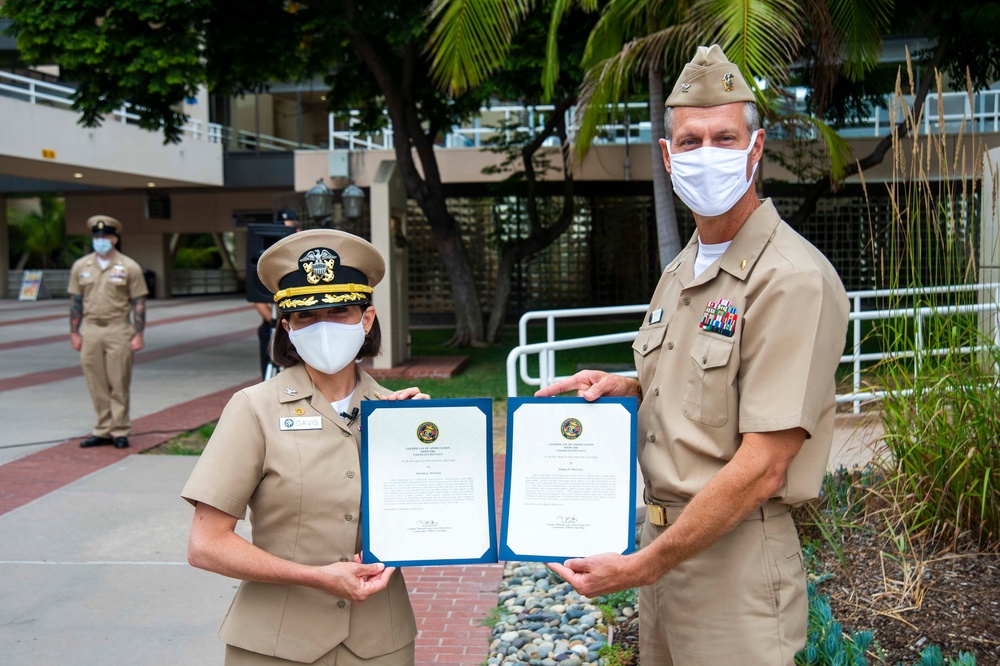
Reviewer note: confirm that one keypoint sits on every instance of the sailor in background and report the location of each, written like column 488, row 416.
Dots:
column 106, row 289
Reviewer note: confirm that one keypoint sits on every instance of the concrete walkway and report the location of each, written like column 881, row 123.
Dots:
column 93, row 566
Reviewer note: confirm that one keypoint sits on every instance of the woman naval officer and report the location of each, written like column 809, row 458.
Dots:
column 288, row 449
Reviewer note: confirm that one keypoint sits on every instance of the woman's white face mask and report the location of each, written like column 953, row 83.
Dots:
column 327, row 346
column 711, row 180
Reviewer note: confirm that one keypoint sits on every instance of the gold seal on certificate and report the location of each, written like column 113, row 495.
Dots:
column 427, row 491
column 570, row 482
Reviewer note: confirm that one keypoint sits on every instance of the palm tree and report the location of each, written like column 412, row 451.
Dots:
column 651, row 38
column 39, row 236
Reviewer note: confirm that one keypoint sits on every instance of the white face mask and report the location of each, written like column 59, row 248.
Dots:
column 102, row 246
column 711, row 180
column 327, row 346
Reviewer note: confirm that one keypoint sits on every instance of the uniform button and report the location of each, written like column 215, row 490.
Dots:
column 652, row 438
column 670, row 345
column 341, row 604
column 350, row 475
column 656, row 391
column 704, row 359
column 346, row 434
column 645, row 347
column 348, row 517
column 687, row 301
column 344, row 559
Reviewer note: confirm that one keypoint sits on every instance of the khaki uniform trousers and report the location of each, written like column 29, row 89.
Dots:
column 741, row 601
column 106, row 359
column 338, row 656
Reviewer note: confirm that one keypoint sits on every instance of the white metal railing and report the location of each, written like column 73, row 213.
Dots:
column 35, row 91
column 948, row 111
column 517, row 359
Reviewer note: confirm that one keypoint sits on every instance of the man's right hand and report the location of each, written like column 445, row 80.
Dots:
column 591, row 385
column 76, row 340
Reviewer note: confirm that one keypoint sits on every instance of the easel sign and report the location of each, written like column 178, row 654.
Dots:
column 31, row 286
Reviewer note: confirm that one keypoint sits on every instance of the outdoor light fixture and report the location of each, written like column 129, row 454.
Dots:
column 354, row 201
column 319, row 200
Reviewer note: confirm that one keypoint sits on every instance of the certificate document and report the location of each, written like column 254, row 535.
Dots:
column 427, row 482
column 570, row 482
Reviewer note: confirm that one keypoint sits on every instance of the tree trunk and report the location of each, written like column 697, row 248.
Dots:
column 501, row 297
column 667, row 234
column 464, row 294
column 426, row 188
column 540, row 236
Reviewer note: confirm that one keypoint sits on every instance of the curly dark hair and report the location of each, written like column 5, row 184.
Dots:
column 283, row 352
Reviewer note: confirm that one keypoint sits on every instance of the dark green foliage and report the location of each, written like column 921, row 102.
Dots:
column 147, row 52
column 38, row 238
column 155, row 53
column 828, row 644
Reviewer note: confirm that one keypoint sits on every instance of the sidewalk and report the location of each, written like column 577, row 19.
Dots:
column 93, row 542
column 93, row 564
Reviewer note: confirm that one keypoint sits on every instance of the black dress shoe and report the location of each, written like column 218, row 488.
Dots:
column 121, row 442
column 94, row 440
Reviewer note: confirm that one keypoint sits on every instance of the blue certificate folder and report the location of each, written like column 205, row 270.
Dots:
column 569, row 487
column 427, row 482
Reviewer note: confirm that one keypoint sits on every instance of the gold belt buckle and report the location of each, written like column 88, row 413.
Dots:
column 657, row 514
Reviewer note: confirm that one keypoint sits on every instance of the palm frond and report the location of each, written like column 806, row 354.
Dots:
column 839, row 149
column 550, row 72
column 826, row 45
column 470, row 39
column 624, row 20
column 607, row 82
column 760, row 36
column 861, row 23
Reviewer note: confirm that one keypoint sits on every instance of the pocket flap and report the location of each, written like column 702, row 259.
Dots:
column 712, row 351
column 649, row 339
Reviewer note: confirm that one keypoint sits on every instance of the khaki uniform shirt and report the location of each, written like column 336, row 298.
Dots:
column 767, row 365
column 107, row 293
column 303, row 489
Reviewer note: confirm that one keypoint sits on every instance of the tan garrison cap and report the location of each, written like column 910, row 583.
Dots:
column 709, row 80
column 104, row 224
column 320, row 268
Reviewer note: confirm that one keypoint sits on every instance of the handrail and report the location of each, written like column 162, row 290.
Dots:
column 981, row 112
column 517, row 359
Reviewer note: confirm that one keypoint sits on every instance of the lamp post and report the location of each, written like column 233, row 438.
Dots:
column 319, row 202
column 354, row 201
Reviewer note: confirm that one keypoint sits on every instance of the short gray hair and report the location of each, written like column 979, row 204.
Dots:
column 750, row 115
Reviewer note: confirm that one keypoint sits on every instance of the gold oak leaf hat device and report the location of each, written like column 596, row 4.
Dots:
column 709, row 80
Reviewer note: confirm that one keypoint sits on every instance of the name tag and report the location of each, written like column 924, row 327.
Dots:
column 300, row 423
column 656, row 315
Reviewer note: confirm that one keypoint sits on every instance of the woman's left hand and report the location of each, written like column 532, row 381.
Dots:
column 412, row 393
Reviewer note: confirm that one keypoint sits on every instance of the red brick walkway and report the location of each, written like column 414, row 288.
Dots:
column 451, row 603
